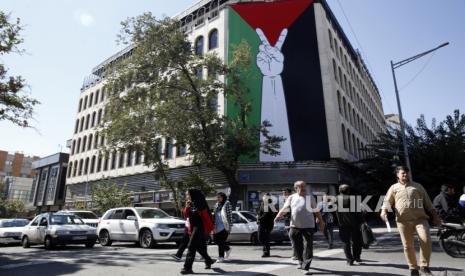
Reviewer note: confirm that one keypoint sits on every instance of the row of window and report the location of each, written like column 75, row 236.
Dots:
column 354, row 76
column 353, row 144
column 353, row 117
column 347, row 86
column 89, row 121
column 90, row 100
column 87, row 143
column 120, row 159
column 212, row 42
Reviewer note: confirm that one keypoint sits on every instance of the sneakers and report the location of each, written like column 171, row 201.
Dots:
column 266, row 254
column 414, row 272
column 209, row 265
column 357, row 262
column 228, row 253
column 425, row 271
column 220, row 260
column 294, row 258
column 350, row 263
column 176, row 257
column 186, row 271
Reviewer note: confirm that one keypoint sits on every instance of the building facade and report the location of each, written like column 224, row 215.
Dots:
column 49, row 184
column 17, row 164
column 325, row 102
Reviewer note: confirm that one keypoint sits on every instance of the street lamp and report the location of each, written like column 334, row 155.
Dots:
column 395, row 65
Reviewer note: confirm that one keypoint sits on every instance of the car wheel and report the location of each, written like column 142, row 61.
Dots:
column 254, row 239
column 146, row 239
column 104, row 238
column 49, row 243
column 90, row 244
column 25, row 242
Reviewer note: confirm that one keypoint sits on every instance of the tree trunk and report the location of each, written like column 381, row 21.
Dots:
column 236, row 189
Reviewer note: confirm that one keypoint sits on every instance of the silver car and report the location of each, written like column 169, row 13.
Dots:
column 51, row 229
column 11, row 230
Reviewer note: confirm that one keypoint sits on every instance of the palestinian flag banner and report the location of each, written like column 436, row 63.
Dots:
column 285, row 80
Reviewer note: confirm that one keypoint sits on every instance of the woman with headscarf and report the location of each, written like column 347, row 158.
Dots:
column 200, row 226
column 223, row 224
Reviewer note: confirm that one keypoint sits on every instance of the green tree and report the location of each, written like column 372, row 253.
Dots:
column 107, row 195
column 160, row 91
column 437, row 155
column 15, row 106
column 11, row 208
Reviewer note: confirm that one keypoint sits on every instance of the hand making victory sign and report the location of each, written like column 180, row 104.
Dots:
column 270, row 59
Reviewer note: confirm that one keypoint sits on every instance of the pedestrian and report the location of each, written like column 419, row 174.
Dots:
column 462, row 199
column 447, row 206
column 223, row 224
column 328, row 218
column 265, row 220
column 350, row 222
column 287, row 221
column 303, row 212
column 183, row 243
column 200, row 226
column 411, row 204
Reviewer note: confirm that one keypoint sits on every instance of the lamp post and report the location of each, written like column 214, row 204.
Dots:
column 395, row 65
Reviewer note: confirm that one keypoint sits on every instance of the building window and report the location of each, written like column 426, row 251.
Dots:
column 92, row 164
column 138, row 157
column 213, row 39
column 199, row 46
column 99, row 162
column 181, row 150
column 102, row 96
column 76, row 128
column 93, row 119
column 85, row 103
column 73, row 147
column 87, row 121
column 339, row 102
column 89, row 145
column 75, row 168
column 70, row 169
column 78, row 147
column 345, row 107
column 343, row 129
column 168, row 148
column 99, row 117
column 86, row 166
column 121, row 159
column 335, row 71
column 113, row 160
column 96, row 141
column 84, row 142
column 355, row 145
column 330, row 39
column 96, row 97
column 91, row 99
column 80, row 167
column 80, row 105
column 129, row 158
column 81, row 128
column 102, row 141
column 105, row 163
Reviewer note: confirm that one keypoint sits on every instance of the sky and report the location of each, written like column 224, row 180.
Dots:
column 65, row 39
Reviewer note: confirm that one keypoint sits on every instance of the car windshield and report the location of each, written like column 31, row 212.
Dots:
column 14, row 223
column 65, row 219
column 86, row 215
column 151, row 213
column 249, row 216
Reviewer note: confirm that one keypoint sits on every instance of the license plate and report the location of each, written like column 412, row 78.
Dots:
column 78, row 238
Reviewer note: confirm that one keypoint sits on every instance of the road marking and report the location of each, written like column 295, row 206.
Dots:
column 262, row 268
column 11, row 266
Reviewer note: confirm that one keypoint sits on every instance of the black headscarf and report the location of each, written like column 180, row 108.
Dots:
column 198, row 199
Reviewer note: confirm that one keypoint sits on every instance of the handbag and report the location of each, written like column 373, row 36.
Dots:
column 367, row 235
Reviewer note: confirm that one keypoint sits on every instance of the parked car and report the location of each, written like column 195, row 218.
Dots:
column 146, row 226
column 89, row 217
column 11, row 230
column 51, row 229
column 245, row 229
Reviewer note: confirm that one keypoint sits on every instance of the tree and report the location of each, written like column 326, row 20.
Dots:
column 437, row 155
column 11, row 208
column 160, row 91
column 14, row 105
column 107, row 195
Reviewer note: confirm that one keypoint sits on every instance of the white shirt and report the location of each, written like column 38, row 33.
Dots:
column 302, row 215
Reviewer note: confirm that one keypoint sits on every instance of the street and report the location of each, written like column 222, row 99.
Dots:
column 384, row 258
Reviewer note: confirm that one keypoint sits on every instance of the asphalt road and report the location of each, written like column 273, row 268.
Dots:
column 385, row 258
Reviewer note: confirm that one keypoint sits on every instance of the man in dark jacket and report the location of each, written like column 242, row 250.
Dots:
column 265, row 220
column 350, row 222
column 447, row 206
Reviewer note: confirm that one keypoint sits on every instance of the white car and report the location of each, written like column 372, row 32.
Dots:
column 51, row 229
column 11, row 230
column 89, row 217
column 146, row 226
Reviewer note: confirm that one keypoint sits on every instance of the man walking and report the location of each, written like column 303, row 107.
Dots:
column 350, row 222
column 303, row 209
column 265, row 220
column 410, row 201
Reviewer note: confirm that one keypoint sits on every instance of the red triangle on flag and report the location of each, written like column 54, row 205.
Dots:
column 271, row 17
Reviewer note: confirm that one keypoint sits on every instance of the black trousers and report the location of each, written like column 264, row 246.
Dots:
column 351, row 236
column 197, row 243
column 304, row 255
column 183, row 244
column 264, row 238
column 220, row 239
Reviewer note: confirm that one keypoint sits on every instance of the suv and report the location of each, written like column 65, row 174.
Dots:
column 51, row 229
column 146, row 226
column 89, row 217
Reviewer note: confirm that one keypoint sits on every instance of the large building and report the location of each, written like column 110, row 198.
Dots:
column 17, row 164
column 320, row 96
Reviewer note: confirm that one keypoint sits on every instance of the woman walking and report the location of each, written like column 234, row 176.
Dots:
column 223, row 223
column 200, row 226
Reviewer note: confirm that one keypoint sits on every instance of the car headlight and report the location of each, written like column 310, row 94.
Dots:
column 92, row 231
column 162, row 226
